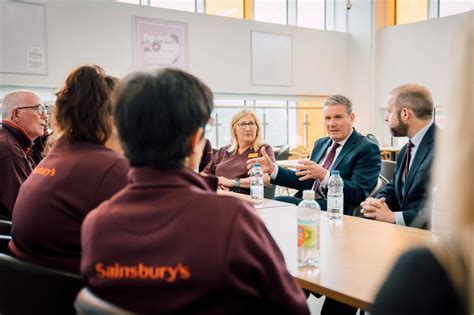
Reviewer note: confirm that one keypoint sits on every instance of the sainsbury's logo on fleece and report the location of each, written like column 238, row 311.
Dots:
column 142, row 271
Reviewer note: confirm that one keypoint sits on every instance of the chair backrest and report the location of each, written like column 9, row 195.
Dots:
column 87, row 303
column 372, row 138
column 4, row 240
column 388, row 168
column 31, row 289
column 5, row 227
column 381, row 181
column 283, row 153
column 269, row 192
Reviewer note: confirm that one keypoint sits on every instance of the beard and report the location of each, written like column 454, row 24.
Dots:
column 400, row 130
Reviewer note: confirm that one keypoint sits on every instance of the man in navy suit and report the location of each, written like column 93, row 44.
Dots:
column 356, row 157
column 409, row 114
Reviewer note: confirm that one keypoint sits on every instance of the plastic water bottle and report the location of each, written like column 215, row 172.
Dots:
column 335, row 197
column 256, row 185
column 308, row 231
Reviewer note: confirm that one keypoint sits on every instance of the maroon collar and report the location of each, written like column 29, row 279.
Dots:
column 19, row 135
column 148, row 176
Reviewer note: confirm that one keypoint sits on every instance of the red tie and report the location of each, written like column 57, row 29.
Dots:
column 327, row 163
column 408, row 157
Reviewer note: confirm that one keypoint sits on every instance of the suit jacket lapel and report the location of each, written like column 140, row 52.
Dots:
column 348, row 147
column 318, row 155
column 421, row 153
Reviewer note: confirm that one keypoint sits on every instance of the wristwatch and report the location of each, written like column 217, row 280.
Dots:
column 237, row 182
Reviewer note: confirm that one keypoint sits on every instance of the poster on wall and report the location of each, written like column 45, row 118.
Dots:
column 160, row 44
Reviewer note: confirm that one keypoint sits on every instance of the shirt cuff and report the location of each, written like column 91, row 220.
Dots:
column 399, row 219
column 325, row 180
column 274, row 174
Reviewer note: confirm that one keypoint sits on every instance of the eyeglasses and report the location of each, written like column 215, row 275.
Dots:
column 251, row 125
column 40, row 108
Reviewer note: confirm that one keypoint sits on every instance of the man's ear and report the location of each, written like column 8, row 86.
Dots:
column 195, row 139
column 405, row 114
column 15, row 117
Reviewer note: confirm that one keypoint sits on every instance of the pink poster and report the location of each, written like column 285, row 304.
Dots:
column 160, row 44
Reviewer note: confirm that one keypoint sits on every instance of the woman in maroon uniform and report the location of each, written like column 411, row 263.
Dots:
column 229, row 164
column 167, row 243
column 76, row 176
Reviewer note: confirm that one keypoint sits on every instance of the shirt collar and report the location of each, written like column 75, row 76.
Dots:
column 341, row 143
column 19, row 134
column 416, row 139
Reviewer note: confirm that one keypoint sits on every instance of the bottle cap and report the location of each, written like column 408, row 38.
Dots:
column 257, row 164
column 335, row 173
column 308, row 195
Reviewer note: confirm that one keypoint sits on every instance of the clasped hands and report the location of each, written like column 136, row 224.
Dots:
column 307, row 170
column 376, row 208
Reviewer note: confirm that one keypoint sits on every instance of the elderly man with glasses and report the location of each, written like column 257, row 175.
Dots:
column 24, row 120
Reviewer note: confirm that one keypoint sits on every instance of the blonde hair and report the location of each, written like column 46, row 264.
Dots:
column 454, row 200
column 258, row 138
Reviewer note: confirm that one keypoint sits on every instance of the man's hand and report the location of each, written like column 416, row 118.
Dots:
column 310, row 170
column 377, row 209
column 265, row 162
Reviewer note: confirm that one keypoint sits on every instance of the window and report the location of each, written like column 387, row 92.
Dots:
column 311, row 13
column 229, row 8
column 182, row 5
column 273, row 11
column 409, row 11
column 450, row 7
column 223, row 112
column 129, row 1
column 274, row 121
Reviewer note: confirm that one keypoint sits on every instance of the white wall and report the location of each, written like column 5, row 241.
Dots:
column 219, row 48
column 427, row 53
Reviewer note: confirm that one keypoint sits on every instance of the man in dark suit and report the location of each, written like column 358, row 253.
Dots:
column 409, row 114
column 356, row 157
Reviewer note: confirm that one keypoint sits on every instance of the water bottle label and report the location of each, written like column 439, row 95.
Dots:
column 335, row 203
column 307, row 235
column 256, row 190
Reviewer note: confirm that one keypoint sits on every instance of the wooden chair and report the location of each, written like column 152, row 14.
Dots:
column 87, row 303
column 27, row 288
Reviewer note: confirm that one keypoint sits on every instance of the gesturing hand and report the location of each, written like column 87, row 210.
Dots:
column 310, row 170
column 265, row 162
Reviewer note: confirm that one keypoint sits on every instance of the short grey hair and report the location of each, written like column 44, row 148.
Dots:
column 338, row 99
column 415, row 97
column 14, row 99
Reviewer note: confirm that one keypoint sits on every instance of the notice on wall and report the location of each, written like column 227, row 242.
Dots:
column 159, row 44
column 35, row 60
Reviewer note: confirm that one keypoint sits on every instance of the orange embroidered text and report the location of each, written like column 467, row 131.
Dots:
column 45, row 171
column 142, row 271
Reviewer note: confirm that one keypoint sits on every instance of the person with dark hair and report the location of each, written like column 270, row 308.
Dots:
column 76, row 176
column 168, row 243
column 409, row 114
column 24, row 118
